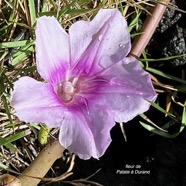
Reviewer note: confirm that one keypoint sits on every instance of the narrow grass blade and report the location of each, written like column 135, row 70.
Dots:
column 135, row 22
column 2, row 166
column 14, row 44
column 51, row 13
column 8, row 145
column 157, row 131
column 164, row 58
column 14, row 137
column 23, row 55
column 165, row 75
column 36, row 126
column 77, row 11
column 44, row 7
column 7, row 108
column 32, row 11
column 5, row 167
column 65, row 9
column 162, row 110
column 23, row 49
column 152, row 123
column 181, row 88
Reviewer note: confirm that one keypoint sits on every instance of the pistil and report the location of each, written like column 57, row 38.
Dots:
column 66, row 90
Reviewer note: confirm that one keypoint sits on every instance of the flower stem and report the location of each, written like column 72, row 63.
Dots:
column 148, row 29
column 42, row 163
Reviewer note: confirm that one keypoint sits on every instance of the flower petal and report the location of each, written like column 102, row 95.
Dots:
column 87, row 135
column 52, row 49
column 36, row 102
column 125, row 91
column 106, row 34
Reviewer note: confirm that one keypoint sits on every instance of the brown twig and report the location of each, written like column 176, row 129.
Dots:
column 148, row 29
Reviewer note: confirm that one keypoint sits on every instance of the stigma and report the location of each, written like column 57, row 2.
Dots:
column 65, row 90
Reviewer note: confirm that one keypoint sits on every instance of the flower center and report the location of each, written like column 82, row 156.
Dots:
column 66, row 90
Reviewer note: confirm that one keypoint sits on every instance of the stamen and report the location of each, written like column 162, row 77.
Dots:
column 86, row 105
column 74, row 81
column 68, row 87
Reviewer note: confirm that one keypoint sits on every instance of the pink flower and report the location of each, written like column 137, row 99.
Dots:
column 89, row 82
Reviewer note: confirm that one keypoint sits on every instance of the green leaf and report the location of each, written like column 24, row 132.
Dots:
column 5, row 27
column 157, row 131
column 36, row 126
column 43, row 134
column 77, row 11
column 2, row 85
column 165, row 75
column 23, row 49
column 32, row 11
column 2, row 166
column 135, row 21
column 5, row 167
column 44, row 7
column 22, row 55
column 65, row 9
column 14, row 44
column 14, row 137
column 51, row 13
column 181, row 88
column 8, row 145
column 162, row 110
column 163, row 59
column 7, row 108
column 84, row 2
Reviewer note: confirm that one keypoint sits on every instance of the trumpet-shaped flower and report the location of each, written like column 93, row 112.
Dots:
column 89, row 82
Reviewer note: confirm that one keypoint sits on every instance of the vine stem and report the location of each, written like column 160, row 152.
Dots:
column 148, row 29
column 43, row 162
